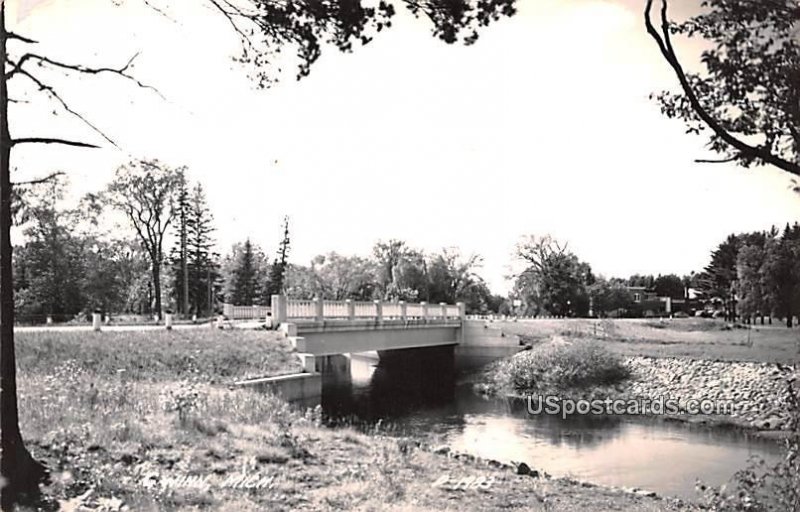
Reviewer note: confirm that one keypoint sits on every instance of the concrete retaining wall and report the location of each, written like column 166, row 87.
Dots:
column 296, row 387
column 481, row 344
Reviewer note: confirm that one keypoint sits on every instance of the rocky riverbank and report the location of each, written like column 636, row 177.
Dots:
column 751, row 395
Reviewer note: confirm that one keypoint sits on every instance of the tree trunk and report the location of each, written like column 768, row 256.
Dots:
column 157, row 285
column 17, row 467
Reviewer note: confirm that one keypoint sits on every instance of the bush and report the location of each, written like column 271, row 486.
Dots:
column 556, row 367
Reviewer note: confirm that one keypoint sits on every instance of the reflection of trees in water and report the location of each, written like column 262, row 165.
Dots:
column 576, row 430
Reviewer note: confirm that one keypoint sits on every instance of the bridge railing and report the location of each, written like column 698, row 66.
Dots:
column 285, row 310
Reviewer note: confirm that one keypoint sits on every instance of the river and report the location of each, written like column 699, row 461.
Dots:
column 423, row 401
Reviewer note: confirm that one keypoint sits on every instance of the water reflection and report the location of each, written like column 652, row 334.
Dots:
column 419, row 398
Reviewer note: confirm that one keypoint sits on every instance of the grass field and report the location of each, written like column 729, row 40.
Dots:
column 132, row 421
column 698, row 338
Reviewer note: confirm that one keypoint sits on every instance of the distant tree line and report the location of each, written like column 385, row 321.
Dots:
column 756, row 275
column 73, row 261
column 394, row 271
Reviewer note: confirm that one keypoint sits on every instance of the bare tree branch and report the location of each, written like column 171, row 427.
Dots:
column 47, row 178
column 13, row 35
column 51, row 91
column 88, row 70
column 664, row 43
column 45, row 140
column 721, row 161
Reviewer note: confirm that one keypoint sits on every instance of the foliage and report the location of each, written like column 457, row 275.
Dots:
column 555, row 281
column 194, row 244
column 277, row 272
column 669, row 285
column 559, row 366
column 748, row 93
column 145, row 191
column 245, row 275
column 610, row 297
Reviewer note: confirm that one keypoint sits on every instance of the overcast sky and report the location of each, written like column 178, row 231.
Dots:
column 543, row 126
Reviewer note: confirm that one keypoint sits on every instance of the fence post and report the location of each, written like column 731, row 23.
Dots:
column 424, row 306
column 278, row 309
column 168, row 321
column 443, row 307
column 96, row 321
column 351, row 309
column 379, row 310
column 403, row 310
column 319, row 309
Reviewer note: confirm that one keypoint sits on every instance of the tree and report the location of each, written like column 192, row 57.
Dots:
column 782, row 272
column 719, row 277
column 180, row 252
column 610, row 297
column 749, row 95
column 277, row 272
column 555, row 279
column 453, row 278
column 203, row 267
column 145, row 191
column 338, row 277
column 53, row 259
column 303, row 25
column 669, row 285
column 244, row 271
column 750, row 279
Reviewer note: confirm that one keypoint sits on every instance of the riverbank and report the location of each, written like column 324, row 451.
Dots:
column 133, row 421
column 187, row 446
column 738, row 394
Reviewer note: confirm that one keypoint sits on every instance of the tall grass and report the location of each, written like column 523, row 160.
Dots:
column 211, row 354
column 558, row 367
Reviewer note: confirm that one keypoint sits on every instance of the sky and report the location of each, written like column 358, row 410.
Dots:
column 543, row 126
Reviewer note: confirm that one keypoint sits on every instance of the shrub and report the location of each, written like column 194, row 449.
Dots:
column 559, row 367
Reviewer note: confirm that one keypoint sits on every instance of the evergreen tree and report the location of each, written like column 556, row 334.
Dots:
column 719, row 277
column 277, row 271
column 245, row 278
column 202, row 260
column 782, row 276
column 179, row 258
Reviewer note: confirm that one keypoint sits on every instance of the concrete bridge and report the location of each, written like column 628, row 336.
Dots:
column 319, row 329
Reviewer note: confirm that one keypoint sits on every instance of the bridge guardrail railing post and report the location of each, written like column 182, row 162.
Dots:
column 319, row 309
column 443, row 307
column 378, row 311
column 278, row 303
column 351, row 309
column 424, row 306
column 403, row 311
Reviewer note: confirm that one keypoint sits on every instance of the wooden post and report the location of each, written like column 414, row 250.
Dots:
column 96, row 321
column 351, row 309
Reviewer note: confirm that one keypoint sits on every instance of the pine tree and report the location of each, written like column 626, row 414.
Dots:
column 202, row 260
column 179, row 257
column 245, row 278
column 277, row 271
